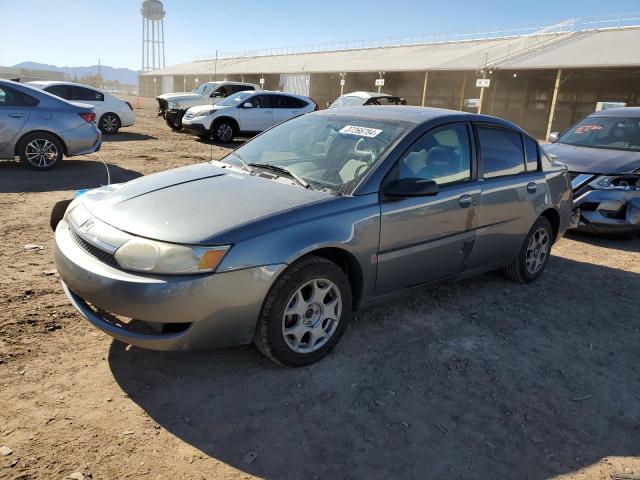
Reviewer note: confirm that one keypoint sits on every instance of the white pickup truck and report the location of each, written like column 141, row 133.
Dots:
column 172, row 106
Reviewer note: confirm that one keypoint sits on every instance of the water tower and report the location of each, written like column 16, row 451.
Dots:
column 152, row 35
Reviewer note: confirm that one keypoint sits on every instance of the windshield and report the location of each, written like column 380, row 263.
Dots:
column 235, row 99
column 347, row 101
column 616, row 133
column 327, row 151
column 205, row 88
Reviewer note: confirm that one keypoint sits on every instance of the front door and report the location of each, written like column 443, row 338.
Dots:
column 427, row 238
column 259, row 117
column 13, row 115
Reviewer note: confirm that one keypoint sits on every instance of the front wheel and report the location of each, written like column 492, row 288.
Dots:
column 109, row 123
column 534, row 254
column 305, row 313
column 223, row 131
column 40, row 151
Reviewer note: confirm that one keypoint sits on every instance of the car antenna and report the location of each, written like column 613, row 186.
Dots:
column 107, row 168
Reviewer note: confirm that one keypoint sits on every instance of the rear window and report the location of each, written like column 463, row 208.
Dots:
column 284, row 101
column 501, row 152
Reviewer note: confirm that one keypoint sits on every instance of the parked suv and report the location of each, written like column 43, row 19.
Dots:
column 40, row 128
column 245, row 113
column 111, row 112
column 329, row 212
column 172, row 106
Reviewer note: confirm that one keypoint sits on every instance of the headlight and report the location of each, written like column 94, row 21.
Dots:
column 142, row 255
column 628, row 181
column 172, row 105
column 202, row 114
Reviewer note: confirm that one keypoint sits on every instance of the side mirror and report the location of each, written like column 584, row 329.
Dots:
column 553, row 137
column 247, row 105
column 411, row 187
column 217, row 95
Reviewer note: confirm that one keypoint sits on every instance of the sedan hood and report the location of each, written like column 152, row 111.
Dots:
column 594, row 160
column 190, row 204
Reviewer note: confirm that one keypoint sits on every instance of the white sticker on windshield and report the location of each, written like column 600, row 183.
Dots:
column 360, row 131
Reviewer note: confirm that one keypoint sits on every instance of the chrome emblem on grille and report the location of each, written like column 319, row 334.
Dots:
column 86, row 226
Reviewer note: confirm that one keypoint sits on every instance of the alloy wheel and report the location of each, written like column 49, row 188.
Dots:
column 311, row 315
column 537, row 250
column 224, row 132
column 109, row 123
column 41, row 152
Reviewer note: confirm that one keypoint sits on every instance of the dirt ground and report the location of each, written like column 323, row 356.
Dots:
column 478, row 379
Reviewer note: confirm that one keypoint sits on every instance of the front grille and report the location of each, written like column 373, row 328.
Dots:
column 94, row 251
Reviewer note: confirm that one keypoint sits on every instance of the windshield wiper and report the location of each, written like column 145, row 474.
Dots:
column 245, row 165
column 277, row 168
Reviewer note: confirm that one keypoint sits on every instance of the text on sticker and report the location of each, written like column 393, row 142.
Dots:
column 360, row 131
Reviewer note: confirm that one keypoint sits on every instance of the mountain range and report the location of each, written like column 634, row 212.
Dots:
column 122, row 75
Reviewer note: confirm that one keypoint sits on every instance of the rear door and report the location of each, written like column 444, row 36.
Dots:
column 286, row 107
column 513, row 191
column 259, row 117
column 15, row 108
column 427, row 238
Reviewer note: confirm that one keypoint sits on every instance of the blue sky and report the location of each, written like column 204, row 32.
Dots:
column 78, row 32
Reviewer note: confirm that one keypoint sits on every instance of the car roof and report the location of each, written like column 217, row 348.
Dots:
column 416, row 115
column 273, row 92
column 618, row 112
column 46, row 83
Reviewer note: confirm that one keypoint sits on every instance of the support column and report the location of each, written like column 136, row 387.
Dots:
column 554, row 99
column 484, row 75
column 424, row 88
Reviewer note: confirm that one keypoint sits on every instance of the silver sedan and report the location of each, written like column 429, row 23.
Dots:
column 329, row 212
column 41, row 128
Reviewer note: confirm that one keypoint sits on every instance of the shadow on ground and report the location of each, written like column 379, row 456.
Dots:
column 478, row 379
column 626, row 245
column 69, row 175
column 127, row 137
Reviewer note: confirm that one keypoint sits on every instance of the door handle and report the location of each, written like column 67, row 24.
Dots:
column 16, row 115
column 532, row 187
column 466, row 201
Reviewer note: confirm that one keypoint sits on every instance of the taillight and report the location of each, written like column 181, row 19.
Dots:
column 88, row 116
column 129, row 105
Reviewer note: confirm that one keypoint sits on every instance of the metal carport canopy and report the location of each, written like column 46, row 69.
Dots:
column 620, row 48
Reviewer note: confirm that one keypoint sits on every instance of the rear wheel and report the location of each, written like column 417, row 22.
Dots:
column 109, row 123
column 305, row 313
column 40, row 151
column 534, row 254
column 223, row 131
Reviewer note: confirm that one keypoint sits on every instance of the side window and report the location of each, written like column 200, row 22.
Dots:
column 241, row 88
column 13, row 98
column 59, row 91
column 225, row 90
column 442, row 155
column 501, row 152
column 261, row 101
column 81, row 93
column 531, row 152
column 285, row 101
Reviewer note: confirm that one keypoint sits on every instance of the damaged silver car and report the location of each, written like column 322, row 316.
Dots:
column 284, row 238
column 602, row 152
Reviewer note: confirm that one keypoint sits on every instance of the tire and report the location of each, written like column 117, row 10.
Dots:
column 534, row 253
column 223, row 131
column 109, row 123
column 40, row 151
column 174, row 123
column 298, row 339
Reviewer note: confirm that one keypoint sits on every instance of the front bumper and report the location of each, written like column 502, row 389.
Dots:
column 608, row 211
column 195, row 128
column 214, row 310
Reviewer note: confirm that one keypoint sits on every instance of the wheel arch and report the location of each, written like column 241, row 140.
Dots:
column 347, row 262
column 48, row 132
column 233, row 121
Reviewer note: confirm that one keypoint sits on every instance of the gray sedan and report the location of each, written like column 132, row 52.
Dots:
column 40, row 128
column 284, row 238
column 602, row 152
